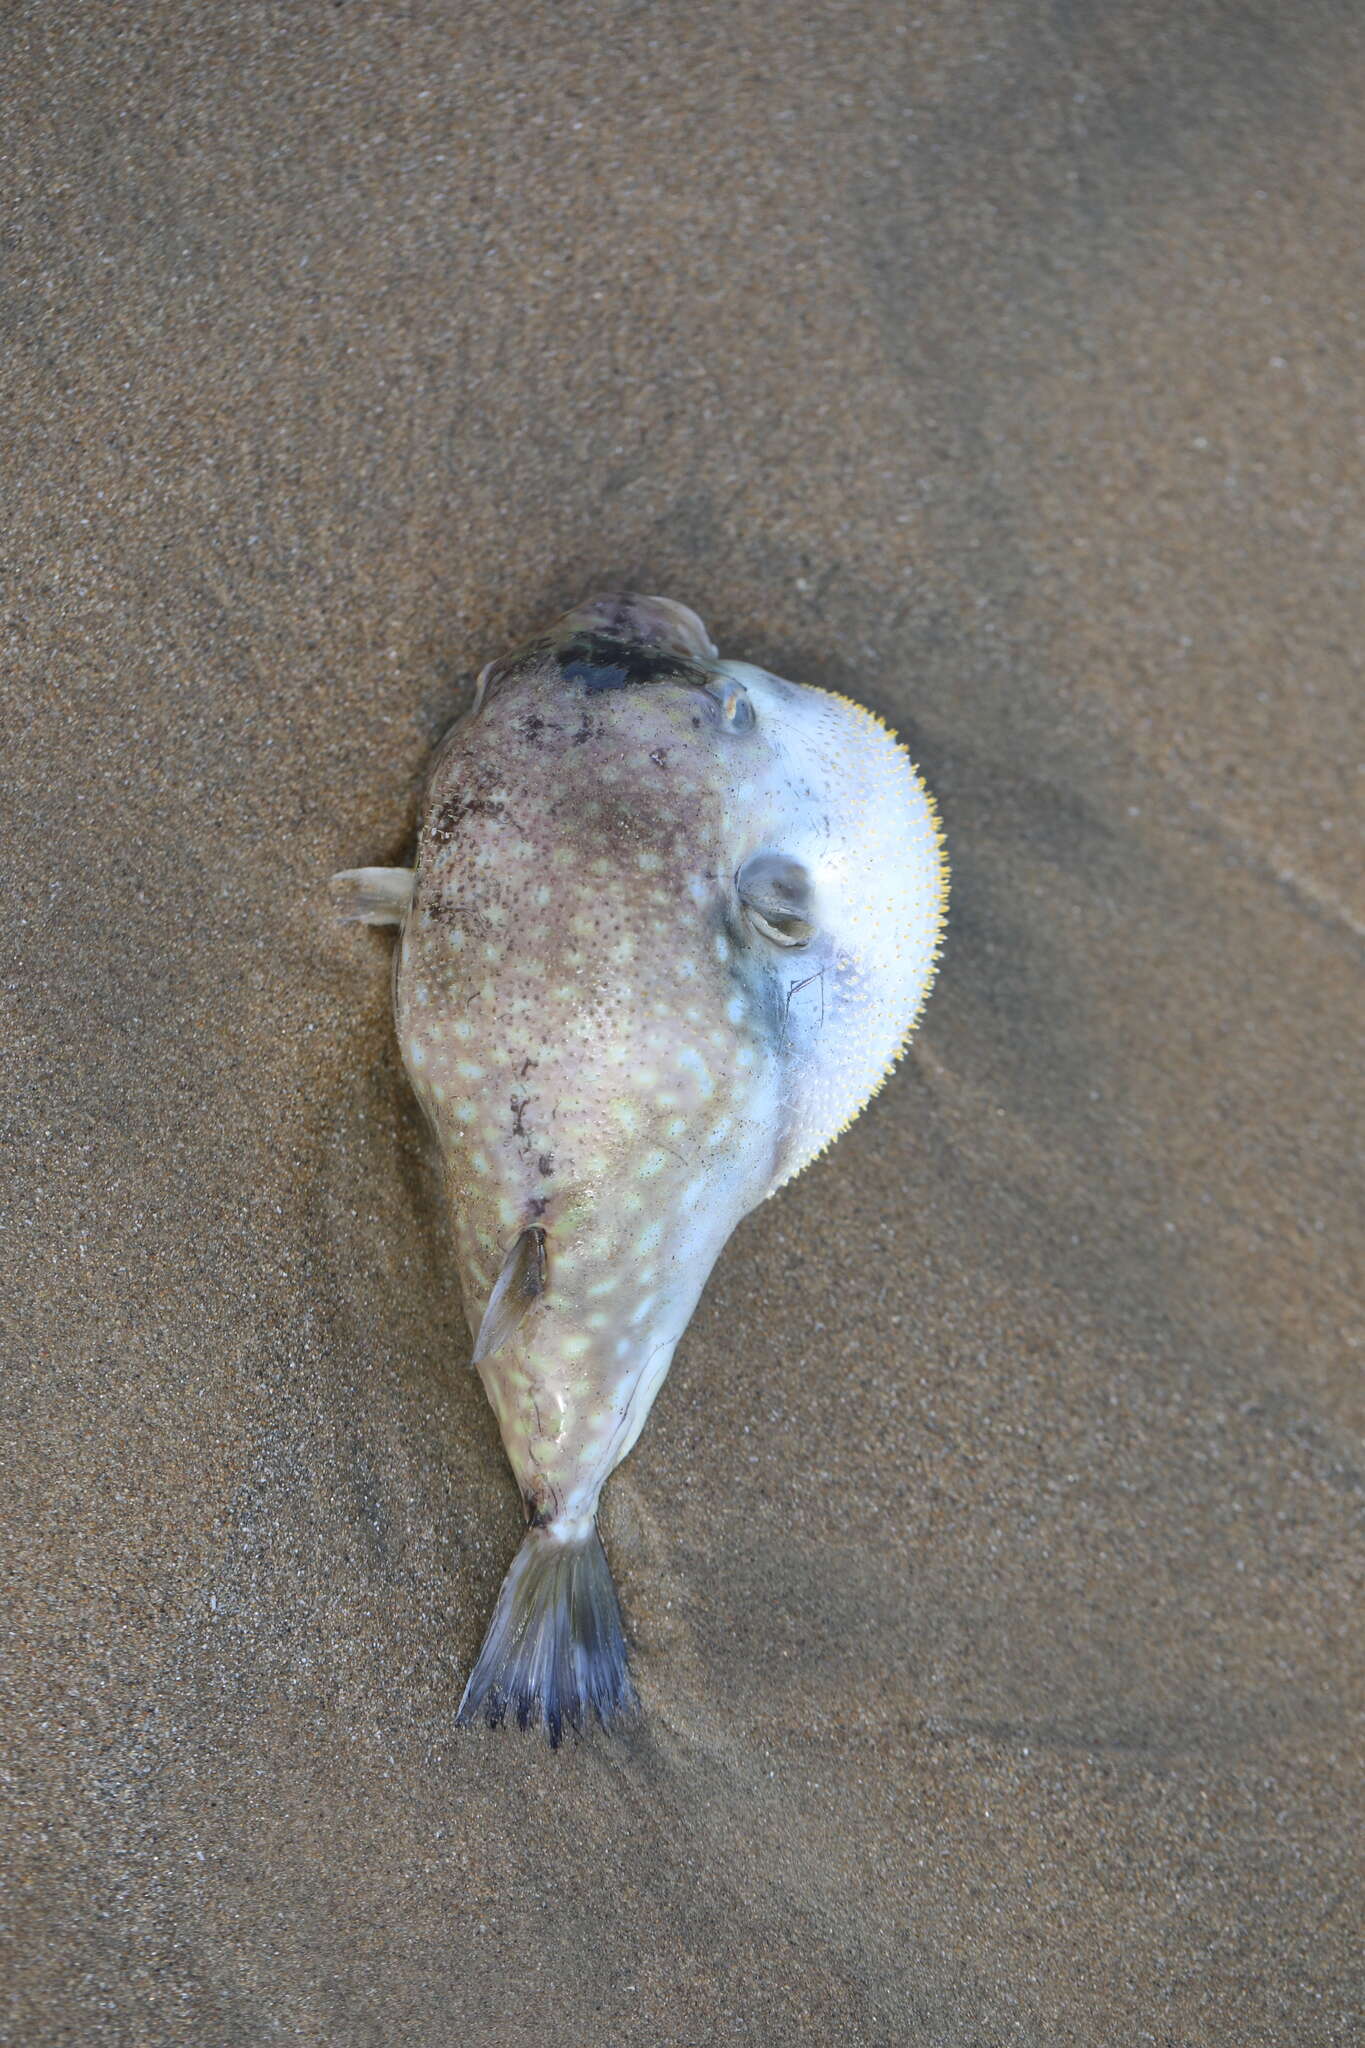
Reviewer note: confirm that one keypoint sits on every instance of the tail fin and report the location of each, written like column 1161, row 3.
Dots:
column 555, row 1648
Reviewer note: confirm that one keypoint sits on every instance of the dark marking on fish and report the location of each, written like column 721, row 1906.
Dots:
column 535, row 1500
column 533, row 727
column 599, row 661
column 456, row 808
column 794, row 989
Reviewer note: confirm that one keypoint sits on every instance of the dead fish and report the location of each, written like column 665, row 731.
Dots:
column 670, row 924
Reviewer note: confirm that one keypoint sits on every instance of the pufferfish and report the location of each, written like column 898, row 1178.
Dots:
column 671, row 921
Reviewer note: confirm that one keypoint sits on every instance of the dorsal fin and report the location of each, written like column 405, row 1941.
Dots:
column 521, row 1281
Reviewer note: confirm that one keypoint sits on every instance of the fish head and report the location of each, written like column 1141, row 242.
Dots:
column 839, row 893
column 723, row 892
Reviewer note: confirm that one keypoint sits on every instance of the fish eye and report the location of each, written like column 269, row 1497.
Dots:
column 775, row 893
column 731, row 706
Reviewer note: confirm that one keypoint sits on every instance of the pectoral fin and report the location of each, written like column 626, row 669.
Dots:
column 372, row 895
column 521, row 1281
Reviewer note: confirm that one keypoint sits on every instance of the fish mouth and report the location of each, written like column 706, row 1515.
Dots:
column 658, row 623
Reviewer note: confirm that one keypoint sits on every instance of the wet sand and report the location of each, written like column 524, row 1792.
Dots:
column 990, row 1557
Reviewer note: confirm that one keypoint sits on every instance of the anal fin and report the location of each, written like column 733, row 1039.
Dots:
column 372, row 895
column 521, row 1281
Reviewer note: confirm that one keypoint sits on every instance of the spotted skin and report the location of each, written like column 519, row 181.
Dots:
column 671, row 922
column 605, row 1048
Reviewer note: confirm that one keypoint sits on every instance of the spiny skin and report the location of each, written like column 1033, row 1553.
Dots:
column 609, row 1047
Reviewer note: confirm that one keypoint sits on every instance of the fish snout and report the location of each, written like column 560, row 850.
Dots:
column 655, row 622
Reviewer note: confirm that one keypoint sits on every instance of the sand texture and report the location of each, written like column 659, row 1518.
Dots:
column 991, row 1558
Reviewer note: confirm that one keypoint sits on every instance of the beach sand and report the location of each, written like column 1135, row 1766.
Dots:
column 991, row 1559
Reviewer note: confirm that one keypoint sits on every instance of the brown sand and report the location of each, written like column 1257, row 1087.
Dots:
column 989, row 1556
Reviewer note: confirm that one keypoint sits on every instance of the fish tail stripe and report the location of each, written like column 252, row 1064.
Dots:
column 555, row 1651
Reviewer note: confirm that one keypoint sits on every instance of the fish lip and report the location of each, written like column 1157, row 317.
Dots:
column 660, row 623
